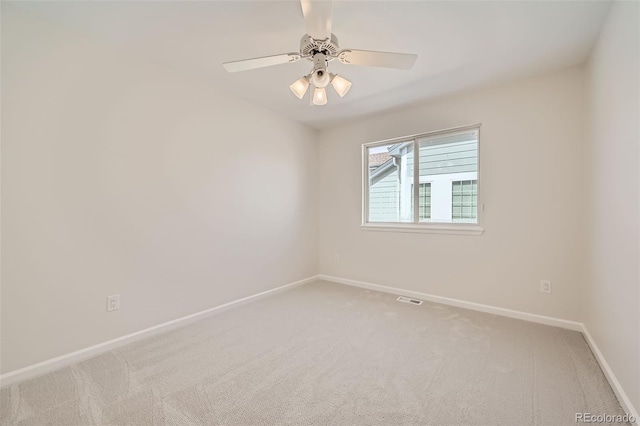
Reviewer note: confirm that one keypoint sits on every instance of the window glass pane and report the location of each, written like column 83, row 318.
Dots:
column 449, row 162
column 390, row 169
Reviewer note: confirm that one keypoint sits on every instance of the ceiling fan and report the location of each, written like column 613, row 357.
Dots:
column 320, row 47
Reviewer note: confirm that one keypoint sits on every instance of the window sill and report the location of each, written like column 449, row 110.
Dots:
column 431, row 228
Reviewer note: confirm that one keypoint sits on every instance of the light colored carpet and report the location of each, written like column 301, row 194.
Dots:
column 328, row 354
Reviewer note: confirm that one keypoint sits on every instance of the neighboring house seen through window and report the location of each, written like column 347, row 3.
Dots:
column 445, row 170
column 464, row 204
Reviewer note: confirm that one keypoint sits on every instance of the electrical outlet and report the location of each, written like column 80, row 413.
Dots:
column 545, row 286
column 336, row 258
column 113, row 303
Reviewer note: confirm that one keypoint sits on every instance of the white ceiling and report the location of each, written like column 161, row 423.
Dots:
column 459, row 44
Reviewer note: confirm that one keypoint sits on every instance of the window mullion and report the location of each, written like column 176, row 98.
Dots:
column 416, row 181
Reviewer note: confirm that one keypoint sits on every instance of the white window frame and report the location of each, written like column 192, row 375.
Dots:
column 416, row 225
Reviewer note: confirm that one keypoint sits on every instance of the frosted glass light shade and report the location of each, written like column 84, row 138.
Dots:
column 320, row 96
column 299, row 87
column 341, row 85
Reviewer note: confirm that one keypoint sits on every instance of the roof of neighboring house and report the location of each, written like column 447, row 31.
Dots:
column 379, row 158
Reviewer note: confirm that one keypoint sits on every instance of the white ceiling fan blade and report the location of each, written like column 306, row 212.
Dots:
column 266, row 61
column 317, row 18
column 403, row 61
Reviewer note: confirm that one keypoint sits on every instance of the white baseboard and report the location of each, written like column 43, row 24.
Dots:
column 541, row 319
column 624, row 400
column 52, row 364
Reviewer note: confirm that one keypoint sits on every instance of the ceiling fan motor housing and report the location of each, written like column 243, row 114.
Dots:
column 320, row 52
column 309, row 46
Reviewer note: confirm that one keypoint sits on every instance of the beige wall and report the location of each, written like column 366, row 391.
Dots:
column 612, row 192
column 122, row 177
column 530, row 182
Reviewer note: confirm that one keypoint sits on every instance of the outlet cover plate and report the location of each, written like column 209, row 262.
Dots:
column 113, row 303
column 545, row 286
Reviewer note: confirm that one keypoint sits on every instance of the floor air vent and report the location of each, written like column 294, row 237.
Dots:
column 409, row 300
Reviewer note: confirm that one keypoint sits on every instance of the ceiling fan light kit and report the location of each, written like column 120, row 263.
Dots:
column 320, row 46
column 320, row 78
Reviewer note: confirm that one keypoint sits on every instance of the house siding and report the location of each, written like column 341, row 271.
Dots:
column 457, row 157
column 384, row 196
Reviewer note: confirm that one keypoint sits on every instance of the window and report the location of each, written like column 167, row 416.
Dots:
column 464, row 203
column 424, row 201
column 428, row 181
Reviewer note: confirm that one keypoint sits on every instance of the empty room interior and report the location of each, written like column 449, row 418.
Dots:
column 320, row 213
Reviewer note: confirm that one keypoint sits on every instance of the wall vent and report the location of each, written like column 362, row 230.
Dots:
column 409, row 300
